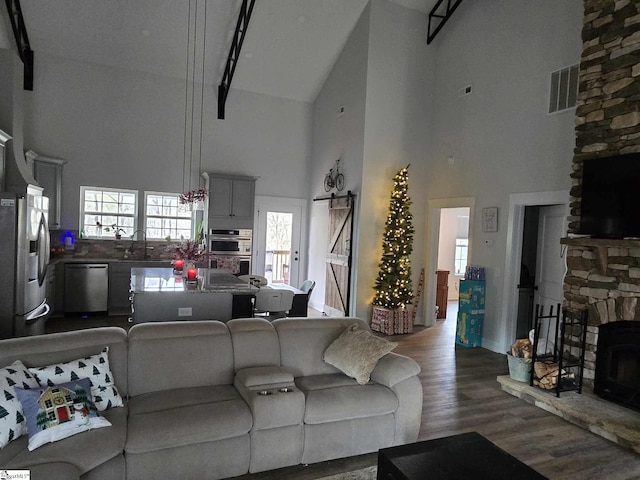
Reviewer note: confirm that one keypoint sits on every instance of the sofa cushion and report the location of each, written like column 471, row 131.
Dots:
column 184, row 397
column 95, row 367
column 40, row 350
column 330, row 398
column 356, row 352
column 85, row 451
column 179, row 417
column 304, row 341
column 174, row 355
column 12, row 419
column 255, row 343
column 59, row 411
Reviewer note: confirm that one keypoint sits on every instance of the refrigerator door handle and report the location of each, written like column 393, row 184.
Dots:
column 43, row 249
column 36, row 315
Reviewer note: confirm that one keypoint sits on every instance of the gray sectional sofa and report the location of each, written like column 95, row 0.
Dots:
column 209, row 400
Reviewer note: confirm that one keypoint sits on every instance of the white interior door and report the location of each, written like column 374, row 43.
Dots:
column 278, row 249
column 550, row 263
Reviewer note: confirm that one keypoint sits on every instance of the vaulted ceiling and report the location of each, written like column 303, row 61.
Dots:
column 288, row 52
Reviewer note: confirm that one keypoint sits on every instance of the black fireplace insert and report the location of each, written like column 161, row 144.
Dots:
column 617, row 376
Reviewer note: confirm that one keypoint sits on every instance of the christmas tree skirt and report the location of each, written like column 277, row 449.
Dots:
column 391, row 321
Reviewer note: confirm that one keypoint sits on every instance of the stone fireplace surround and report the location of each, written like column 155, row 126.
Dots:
column 603, row 276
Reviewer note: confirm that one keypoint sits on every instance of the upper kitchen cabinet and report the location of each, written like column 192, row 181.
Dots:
column 231, row 201
column 48, row 173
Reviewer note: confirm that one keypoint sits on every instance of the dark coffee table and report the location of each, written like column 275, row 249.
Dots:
column 468, row 456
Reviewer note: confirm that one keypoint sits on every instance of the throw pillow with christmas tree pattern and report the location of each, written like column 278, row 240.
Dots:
column 12, row 420
column 95, row 368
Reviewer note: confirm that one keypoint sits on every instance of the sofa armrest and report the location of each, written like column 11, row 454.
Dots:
column 393, row 369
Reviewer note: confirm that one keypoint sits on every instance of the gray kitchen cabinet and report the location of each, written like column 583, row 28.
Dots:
column 231, row 201
column 119, row 287
column 48, row 173
column 58, row 300
column 51, row 288
column 120, row 284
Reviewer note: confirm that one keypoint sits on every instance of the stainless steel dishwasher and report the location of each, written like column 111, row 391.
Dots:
column 86, row 287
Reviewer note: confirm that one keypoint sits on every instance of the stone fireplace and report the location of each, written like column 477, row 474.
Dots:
column 604, row 275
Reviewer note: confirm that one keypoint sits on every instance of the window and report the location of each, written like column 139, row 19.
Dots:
column 48, row 403
column 460, row 257
column 164, row 218
column 105, row 210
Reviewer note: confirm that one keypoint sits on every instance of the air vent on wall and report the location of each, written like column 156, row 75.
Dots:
column 564, row 89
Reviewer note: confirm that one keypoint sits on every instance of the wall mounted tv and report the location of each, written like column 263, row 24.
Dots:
column 610, row 206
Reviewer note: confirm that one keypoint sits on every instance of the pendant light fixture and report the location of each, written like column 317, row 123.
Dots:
column 193, row 198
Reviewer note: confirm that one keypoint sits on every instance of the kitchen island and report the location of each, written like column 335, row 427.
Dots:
column 160, row 295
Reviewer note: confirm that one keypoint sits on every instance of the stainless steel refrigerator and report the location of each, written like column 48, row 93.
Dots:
column 24, row 259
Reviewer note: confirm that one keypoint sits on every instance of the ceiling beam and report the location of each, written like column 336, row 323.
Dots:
column 234, row 53
column 22, row 40
column 441, row 17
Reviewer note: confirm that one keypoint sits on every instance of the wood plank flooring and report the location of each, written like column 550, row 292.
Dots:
column 461, row 394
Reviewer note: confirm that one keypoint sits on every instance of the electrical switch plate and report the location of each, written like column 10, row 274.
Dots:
column 185, row 312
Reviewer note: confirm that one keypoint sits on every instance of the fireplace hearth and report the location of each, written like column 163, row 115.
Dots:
column 617, row 376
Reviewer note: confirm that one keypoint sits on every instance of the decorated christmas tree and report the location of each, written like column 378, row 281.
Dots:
column 393, row 285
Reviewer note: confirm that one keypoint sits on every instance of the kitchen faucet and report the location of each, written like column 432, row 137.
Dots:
column 145, row 256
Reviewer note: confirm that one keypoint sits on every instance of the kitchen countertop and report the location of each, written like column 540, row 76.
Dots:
column 210, row 280
column 79, row 259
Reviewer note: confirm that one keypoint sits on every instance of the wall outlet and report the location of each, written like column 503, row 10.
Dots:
column 464, row 91
column 185, row 312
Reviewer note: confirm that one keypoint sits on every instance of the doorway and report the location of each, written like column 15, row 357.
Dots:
column 542, row 263
column 440, row 211
column 278, row 249
column 453, row 249
column 550, row 227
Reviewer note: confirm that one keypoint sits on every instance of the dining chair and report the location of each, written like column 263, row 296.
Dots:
column 273, row 303
column 307, row 286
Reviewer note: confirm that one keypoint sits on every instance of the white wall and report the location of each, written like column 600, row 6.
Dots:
column 501, row 137
column 397, row 133
column 119, row 128
column 337, row 136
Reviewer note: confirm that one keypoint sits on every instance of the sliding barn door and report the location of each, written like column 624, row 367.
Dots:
column 336, row 298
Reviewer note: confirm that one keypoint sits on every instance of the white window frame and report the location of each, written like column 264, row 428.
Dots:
column 462, row 244
column 150, row 230
column 90, row 230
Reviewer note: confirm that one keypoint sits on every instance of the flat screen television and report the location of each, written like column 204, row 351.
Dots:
column 610, row 206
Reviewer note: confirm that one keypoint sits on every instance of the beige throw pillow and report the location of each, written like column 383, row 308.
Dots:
column 356, row 353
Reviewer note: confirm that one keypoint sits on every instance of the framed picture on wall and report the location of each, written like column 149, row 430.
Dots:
column 490, row 219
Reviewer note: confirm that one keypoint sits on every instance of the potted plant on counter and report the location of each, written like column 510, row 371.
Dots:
column 190, row 251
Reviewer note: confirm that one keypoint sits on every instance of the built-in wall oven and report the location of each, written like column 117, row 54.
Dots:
column 230, row 250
